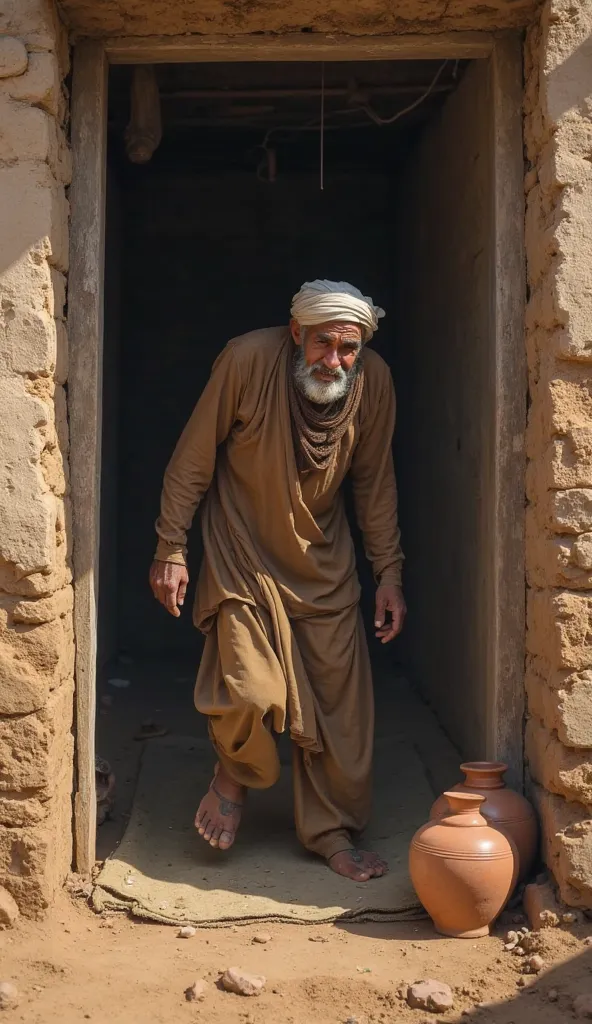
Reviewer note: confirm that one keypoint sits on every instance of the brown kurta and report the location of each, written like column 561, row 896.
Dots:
column 278, row 590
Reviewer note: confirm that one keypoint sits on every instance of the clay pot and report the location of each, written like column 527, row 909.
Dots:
column 504, row 808
column 463, row 870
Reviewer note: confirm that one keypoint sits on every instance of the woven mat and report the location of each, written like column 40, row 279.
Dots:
column 162, row 871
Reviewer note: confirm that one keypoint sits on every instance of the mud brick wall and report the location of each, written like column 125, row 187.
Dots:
column 558, row 136
column 36, row 638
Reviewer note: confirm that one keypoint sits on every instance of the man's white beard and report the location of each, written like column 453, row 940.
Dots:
column 321, row 392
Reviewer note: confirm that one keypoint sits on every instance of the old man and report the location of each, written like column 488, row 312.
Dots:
column 286, row 415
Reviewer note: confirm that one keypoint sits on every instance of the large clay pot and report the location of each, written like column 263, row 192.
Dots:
column 504, row 808
column 463, row 870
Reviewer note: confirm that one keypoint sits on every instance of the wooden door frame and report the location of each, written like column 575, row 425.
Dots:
column 505, row 656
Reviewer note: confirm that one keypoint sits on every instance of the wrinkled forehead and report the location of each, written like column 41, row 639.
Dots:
column 336, row 330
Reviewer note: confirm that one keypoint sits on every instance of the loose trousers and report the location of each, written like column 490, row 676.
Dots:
column 240, row 688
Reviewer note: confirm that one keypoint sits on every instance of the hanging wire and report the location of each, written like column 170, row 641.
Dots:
column 322, row 139
column 315, row 124
column 406, row 110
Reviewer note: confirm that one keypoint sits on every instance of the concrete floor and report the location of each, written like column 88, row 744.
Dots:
column 161, row 692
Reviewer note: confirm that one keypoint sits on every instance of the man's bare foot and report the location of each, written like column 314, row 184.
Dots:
column 219, row 814
column 359, row 865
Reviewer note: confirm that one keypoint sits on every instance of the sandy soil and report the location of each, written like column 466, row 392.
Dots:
column 78, row 966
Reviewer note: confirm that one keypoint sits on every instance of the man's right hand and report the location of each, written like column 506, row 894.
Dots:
column 169, row 585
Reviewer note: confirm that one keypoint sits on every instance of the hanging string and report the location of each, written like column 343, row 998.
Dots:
column 322, row 139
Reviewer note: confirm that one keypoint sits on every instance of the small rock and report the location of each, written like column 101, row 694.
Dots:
column 552, row 995
column 243, row 983
column 186, row 932
column 512, row 937
column 262, row 937
column 196, row 992
column 541, row 907
column 518, row 951
column 13, row 57
column 532, row 942
column 535, row 963
column 509, row 946
column 431, row 995
column 9, row 910
column 524, row 982
column 588, row 940
column 318, row 938
column 9, row 996
column 518, row 919
column 569, row 917
column 582, row 1006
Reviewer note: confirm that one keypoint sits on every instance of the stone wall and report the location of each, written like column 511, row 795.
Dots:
column 36, row 638
column 558, row 131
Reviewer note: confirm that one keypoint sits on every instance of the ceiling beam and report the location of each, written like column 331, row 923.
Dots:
column 301, row 46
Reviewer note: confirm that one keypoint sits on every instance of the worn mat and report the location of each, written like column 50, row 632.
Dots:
column 163, row 871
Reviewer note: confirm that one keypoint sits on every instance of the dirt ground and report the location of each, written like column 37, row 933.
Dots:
column 78, row 966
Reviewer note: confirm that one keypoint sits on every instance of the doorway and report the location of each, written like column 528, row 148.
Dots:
column 211, row 239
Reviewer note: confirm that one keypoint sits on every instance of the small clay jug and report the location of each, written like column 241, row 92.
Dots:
column 504, row 808
column 462, row 869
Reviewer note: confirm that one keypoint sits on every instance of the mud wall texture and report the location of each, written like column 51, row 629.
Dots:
column 558, row 134
column 370, row 17
column 36, row 639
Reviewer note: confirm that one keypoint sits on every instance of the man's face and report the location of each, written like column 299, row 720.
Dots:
column 325, row 363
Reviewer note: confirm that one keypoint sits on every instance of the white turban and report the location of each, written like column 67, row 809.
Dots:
column 317, row 302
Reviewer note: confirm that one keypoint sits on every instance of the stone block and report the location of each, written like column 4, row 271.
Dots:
column 33, row 864
column 27, row 516
column 30, row 342
column 22, row 689
column 561, row 401
column 18, row 811
column 559, row 624
column 581, row 553
column 38, row 584
column 541, row 906
column 559, row 769
column 26, row 133
column 571, row 510
column 9, row 911
column 569, row 459
column 563, row 702
column 34, row 21
column 13, row 57
column 40, row 85
column 574, row 710
column 567, row 846
column 33, row 213
column 43, row 609
column 567, row 71
column 33, row 661
column 553, row 561
column 34, row 747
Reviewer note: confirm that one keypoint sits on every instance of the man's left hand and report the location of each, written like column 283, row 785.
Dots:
column 389, row 599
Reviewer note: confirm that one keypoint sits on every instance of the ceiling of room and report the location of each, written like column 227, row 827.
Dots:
column 215, row 113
